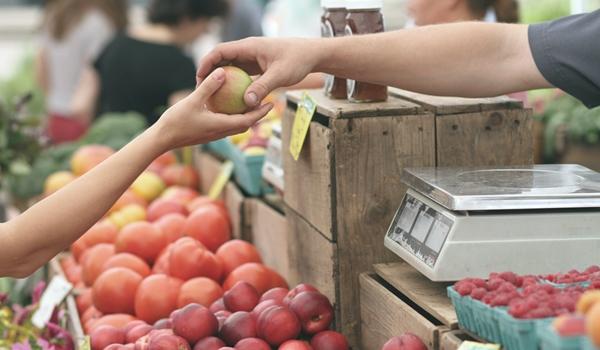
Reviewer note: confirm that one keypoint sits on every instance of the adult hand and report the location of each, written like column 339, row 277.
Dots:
column 279, row 62
column 189, row 122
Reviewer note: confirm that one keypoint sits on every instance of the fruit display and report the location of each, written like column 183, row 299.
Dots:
column 516, row 310
column 18, row 332
column 406, row 341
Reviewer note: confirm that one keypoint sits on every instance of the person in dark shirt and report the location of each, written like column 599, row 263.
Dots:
column 146, row 70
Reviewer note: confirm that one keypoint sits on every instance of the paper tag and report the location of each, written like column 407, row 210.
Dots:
column 221, row 180
column 304, row 113
column 471, row 345
column 85, row 343
column 54, row 294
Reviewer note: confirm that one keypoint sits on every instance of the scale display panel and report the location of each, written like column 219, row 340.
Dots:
column 420, row 229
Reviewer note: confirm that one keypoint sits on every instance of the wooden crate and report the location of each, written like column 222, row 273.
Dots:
column 268, row 232
column 397, row 299
column 345, row 187
column 74, row 325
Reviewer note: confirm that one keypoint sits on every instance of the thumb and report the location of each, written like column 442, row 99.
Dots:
column 261, row 87
column 209, row 86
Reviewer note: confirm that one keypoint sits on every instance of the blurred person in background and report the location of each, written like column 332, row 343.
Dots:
column 244, row 20
column 74, row 32
column 146, row 69
column 427, row 12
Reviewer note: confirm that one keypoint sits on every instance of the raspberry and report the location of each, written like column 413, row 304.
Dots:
column 478, row 293
column 480, row 283
column 495, row 283
column 518, row 309
column 592, row 269
column 509, row 277
column 507, row 288
column 500, row 300
column 464, row 288
column 581, row 278
column 487, row 299
column 540, row 312
column 493, row 275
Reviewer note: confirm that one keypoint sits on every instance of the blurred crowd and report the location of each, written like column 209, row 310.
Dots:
column 94, row 59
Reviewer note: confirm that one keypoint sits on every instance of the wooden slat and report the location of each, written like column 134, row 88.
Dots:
column 501, row 137
column 371, row 153
column 431, row 296
column 312, row 256
column 73, row 321
column 308, row 188
column 234, row 202
column 344, row 109
column 208, row 166
column 269, row 235
column 441, row 105
column 452, row 340
column 384, row 315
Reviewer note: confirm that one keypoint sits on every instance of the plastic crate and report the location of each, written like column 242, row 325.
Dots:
column 464, row 309
column 550, row 340
column 222, row 147
column 519, row 334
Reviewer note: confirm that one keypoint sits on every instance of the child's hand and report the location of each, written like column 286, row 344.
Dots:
column 189, row 122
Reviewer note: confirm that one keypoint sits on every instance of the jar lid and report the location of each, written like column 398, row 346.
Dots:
column 364, row 4
column 333, row 4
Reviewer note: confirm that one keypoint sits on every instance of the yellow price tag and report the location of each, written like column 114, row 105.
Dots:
column 221, row 180
column 471, row 345
column 85, row 343
column 304, row 113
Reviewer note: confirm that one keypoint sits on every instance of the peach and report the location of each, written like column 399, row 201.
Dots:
column 406, row 341
column 163, row 323
column 171, row 226
column 295, row 345
column 278, row 324
column 57, row 181
column 241, row 297
column 209, row 343
column 569, row 325
column 277, row 294
column 180, row 194
column 592, row 324
column 252, row 344
column 265, row 305
column 148, row 186
column 87, row 157
column 103, row 336
column 229, row 99
column 180, row 175
column 329, row 340
column 162, row 207
column 238, row 326
column 194, row 322
column 218, row 305
column 168, row 342
column 137, row 332
column 221, row 317
column 303, row 287
column 131, row 325
column 587, row 300
column 314, row 311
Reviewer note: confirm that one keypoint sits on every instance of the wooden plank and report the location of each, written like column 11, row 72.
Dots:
column 452, row 340
column 384, row 315
column 344, row 109
column 500, row 137
column 269, row 235
column 431, row 296
column 371, row 153
column 234, row 202
column 312, row 257
column 442, row 105
column 308, row 187
column 208, row 166
column 74, row 325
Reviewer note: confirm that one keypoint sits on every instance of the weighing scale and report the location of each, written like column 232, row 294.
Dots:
column 272, row 170
column 467, row 222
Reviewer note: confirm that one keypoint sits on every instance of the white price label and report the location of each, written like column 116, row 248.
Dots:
column 54, row 294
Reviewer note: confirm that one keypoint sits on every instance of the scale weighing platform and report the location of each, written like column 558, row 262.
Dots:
column 467, row 222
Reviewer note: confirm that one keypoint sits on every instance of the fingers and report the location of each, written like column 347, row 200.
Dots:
column 241, row 53
column 272, row 79
column 208, row 86
column 241, row 122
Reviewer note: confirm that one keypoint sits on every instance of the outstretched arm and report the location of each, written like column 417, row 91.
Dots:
column 33, row 238
column 461, row 59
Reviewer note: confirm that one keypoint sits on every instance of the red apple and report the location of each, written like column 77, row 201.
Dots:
column 162, row 207
column 406, row 341
column 116, row 347
column 314, row 311
column 218, row 305
column 180, row 175
column 329, row 340
column 137, row 332
column 221, row 317
column 252, row 344
column 274, row 294
column 241, row 297
column 210, row 343
column 131, row 325
column 103, row 336
column 240, row 325
column 295, row 345
column 277, row 324
column 303, row 287
column 229, row 99
column 194, row 322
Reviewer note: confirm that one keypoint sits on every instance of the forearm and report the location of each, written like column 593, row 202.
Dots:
column 463, row 59
column 52, row 224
